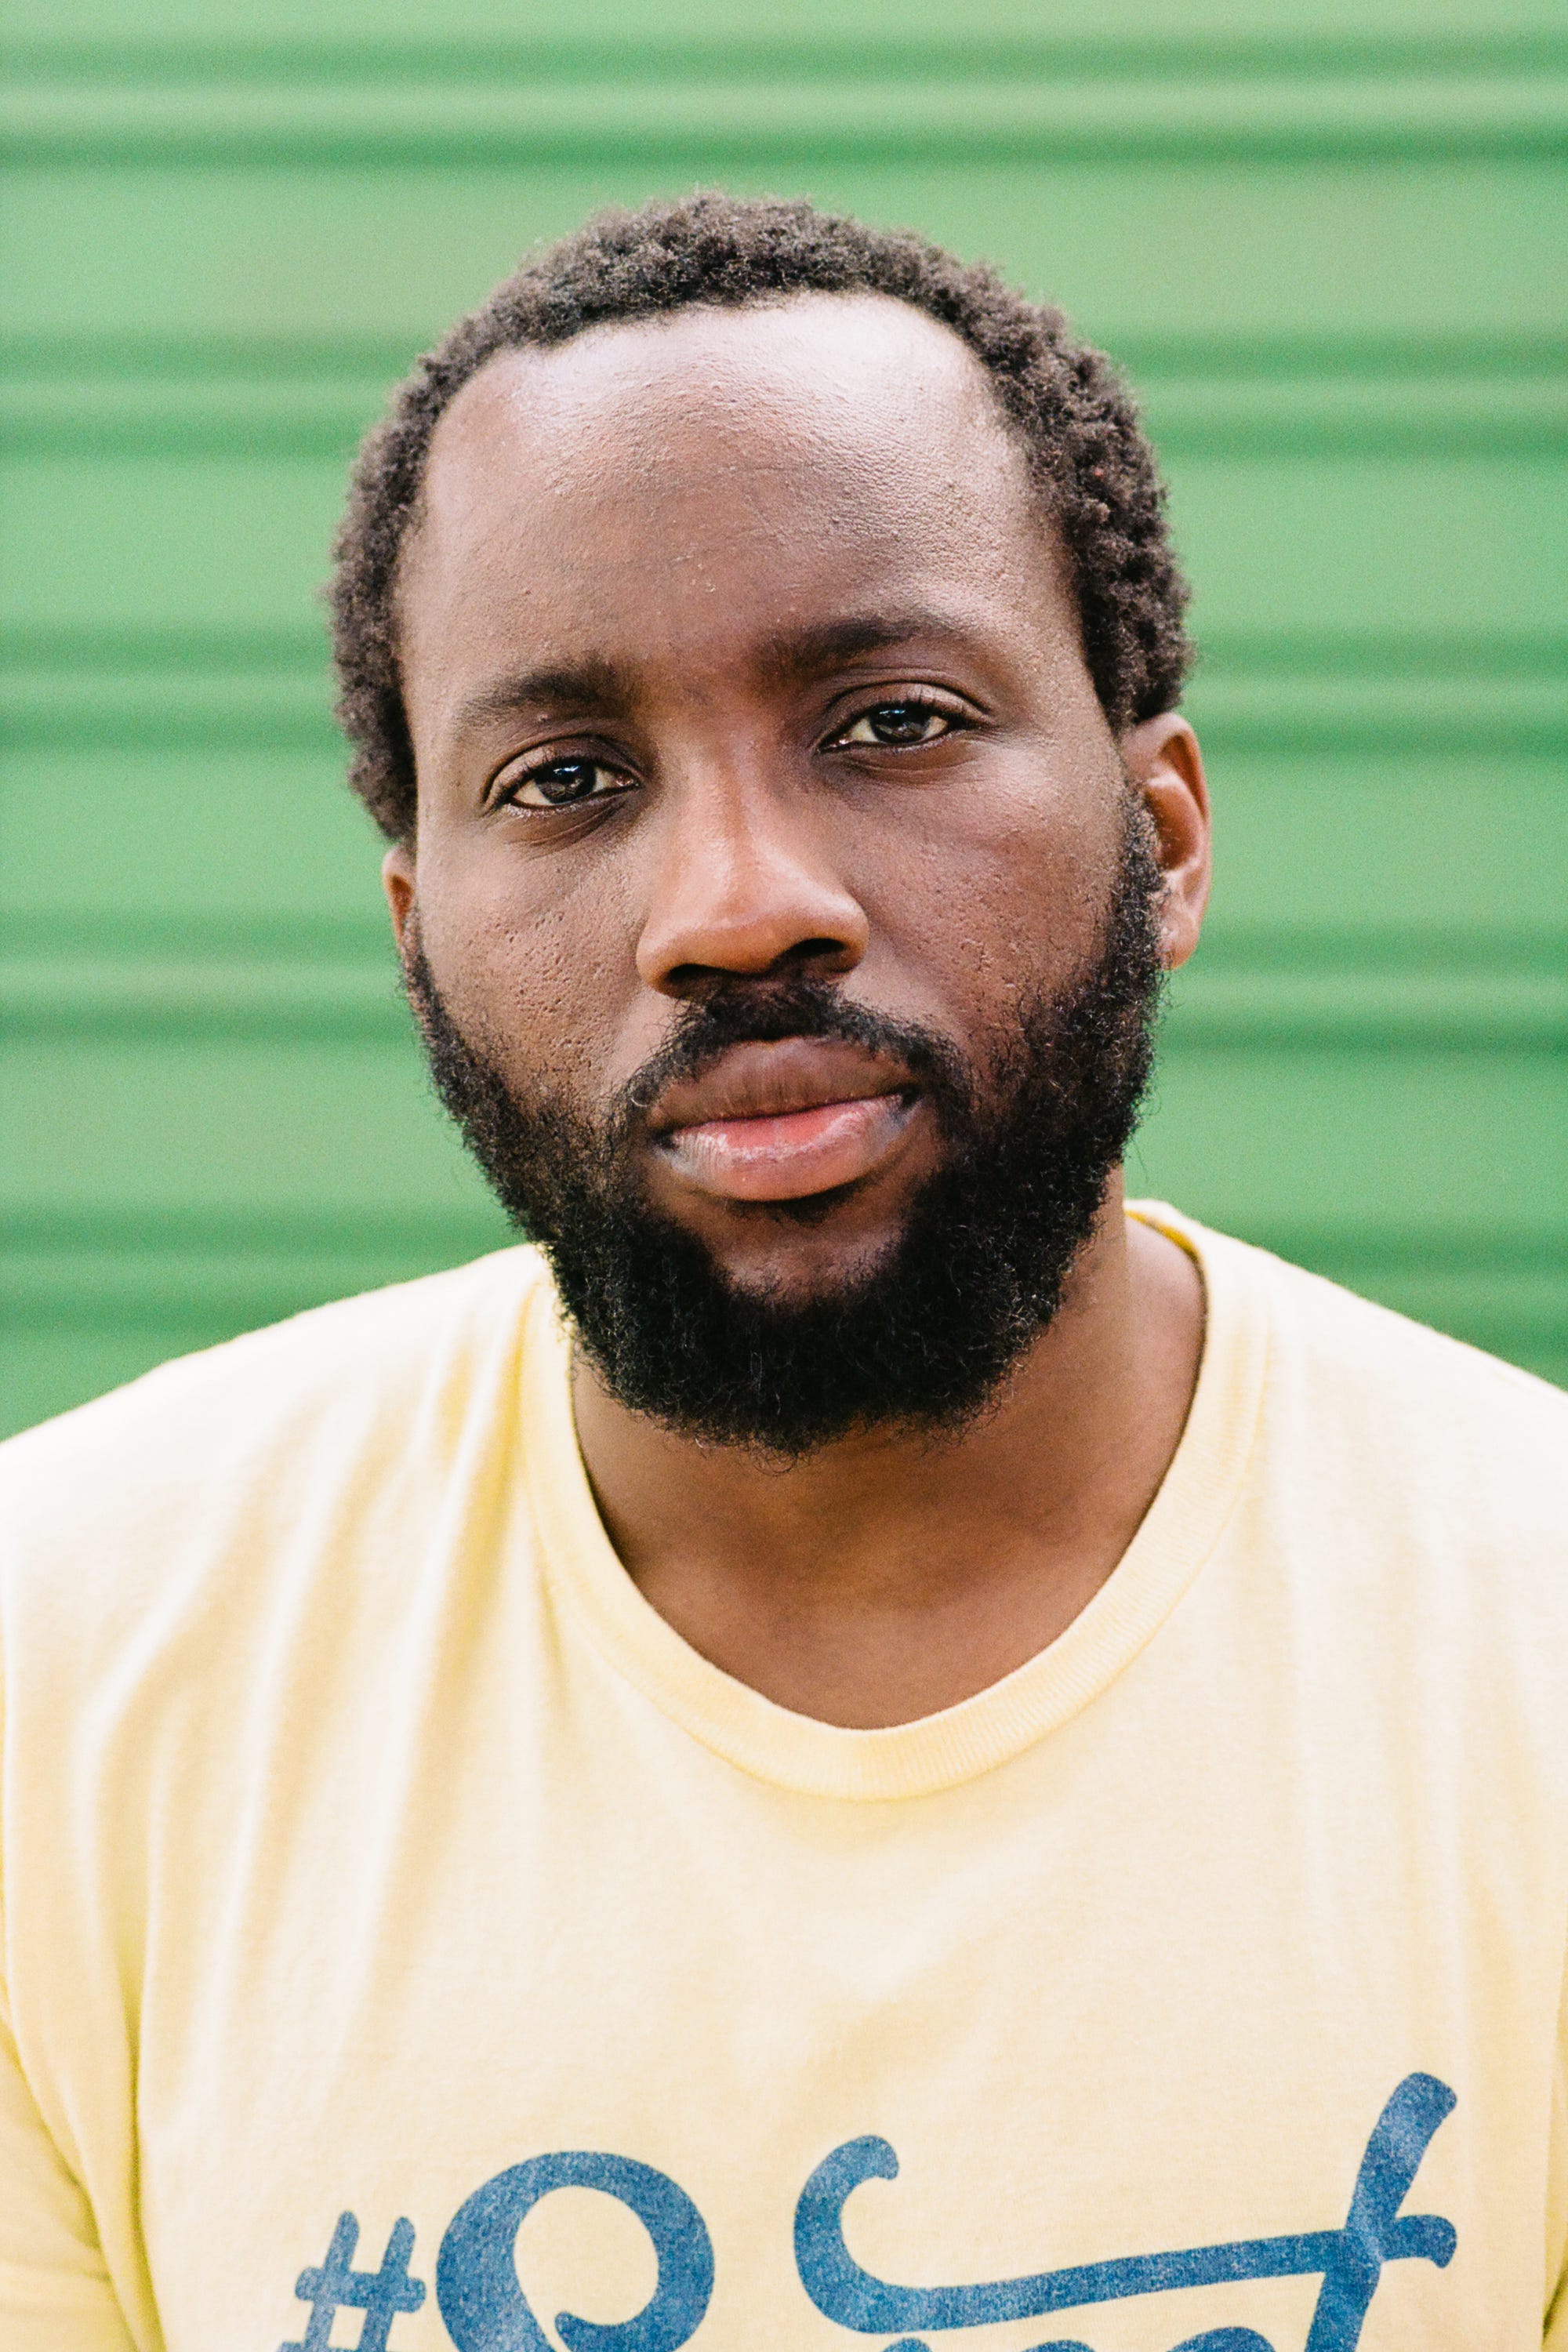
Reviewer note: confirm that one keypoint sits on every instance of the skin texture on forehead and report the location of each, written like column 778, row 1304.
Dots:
column 874, row 414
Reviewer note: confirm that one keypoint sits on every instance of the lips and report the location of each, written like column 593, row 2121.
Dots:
column 782, row 1120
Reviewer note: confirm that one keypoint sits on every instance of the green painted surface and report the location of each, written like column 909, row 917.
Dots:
column 1326, row 242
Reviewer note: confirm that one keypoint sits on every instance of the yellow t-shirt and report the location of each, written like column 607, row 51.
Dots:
column 410, row 1942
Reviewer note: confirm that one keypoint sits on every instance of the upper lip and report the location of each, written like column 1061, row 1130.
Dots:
column 759, row 1080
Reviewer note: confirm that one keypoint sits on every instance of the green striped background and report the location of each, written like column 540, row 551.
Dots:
column 1327, row 243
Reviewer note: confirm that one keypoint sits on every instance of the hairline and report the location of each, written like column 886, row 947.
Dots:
column 1087, row 457
column 1037, row 484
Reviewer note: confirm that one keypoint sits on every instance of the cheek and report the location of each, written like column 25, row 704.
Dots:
column 532, row 962
column 1003, row 886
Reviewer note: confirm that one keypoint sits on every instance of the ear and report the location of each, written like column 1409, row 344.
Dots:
column 1165, row 768
column 397, row 876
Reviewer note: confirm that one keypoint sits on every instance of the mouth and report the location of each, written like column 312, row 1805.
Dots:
column 783, row 1120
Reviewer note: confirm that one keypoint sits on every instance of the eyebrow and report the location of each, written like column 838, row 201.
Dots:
column 594, row 684
column 802, row 653
column 590, row 685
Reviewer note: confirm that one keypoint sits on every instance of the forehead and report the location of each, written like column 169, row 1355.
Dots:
column 688, row 468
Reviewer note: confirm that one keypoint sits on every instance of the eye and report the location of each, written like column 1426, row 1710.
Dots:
column 565, row 784
column 898, row 725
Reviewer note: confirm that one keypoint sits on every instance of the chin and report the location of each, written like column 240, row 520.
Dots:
column 798, row 1260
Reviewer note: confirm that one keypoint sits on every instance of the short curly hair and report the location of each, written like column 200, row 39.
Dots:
column 1088, row 454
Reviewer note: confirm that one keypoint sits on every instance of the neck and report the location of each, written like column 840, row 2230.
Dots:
column 891, row 1574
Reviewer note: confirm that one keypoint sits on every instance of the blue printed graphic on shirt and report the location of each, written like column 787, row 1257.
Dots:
column 476, row 2277
column 484, row 2308
column 1351, row 2259
column 335, row 2285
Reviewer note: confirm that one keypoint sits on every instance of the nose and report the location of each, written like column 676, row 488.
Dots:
column 745, row 887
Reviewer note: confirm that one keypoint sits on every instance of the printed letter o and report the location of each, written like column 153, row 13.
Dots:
column 475, row 2270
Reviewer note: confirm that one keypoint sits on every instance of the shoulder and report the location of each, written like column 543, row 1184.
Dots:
column 207, row 1451
column 1399, row 1525
column 1445, row 1453
column 1466, row 1417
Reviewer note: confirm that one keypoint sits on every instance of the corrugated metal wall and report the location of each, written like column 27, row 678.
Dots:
column 1328, row 244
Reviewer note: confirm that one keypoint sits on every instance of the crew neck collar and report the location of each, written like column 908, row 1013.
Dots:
column 796, row 1752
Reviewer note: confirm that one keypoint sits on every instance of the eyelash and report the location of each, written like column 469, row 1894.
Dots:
column 929, row 704
column 509, row 794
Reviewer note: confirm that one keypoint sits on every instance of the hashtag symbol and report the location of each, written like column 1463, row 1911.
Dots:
column 335, row 2286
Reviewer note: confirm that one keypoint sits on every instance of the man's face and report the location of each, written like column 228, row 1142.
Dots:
column 742, row 673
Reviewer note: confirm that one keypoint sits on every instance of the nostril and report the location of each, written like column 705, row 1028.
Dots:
column 814, row 952
column 695, row 980
column 805, row 957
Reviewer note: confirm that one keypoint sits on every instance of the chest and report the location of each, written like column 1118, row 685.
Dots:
column 608, row 2049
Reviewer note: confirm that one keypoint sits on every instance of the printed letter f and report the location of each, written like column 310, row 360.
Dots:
column 1373, row 2234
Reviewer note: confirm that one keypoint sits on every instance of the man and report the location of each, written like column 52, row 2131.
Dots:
column 873, row 1745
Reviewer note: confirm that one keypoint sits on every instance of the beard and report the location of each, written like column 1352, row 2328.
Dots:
column 922, row 1339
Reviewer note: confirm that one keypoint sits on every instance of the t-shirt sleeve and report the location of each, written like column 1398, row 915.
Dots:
column 54, row 2292
column 55, row 2295
column 1556, row 2335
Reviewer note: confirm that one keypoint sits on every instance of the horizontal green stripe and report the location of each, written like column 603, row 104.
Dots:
column 69, row 1002
column 746, row 45
column 1513, row 1302
column 244, row 723
column 1478, row 437
column 748, row 123
column 164, row 1021
column 1326, row 354
column 1459, row 732
column 200, row 936
column 1384, row 654
column 290, row 1231
column 370, row 361
column 1480, row 1250
column 1489, row 1254
column 1442, row 726
column 1271, row 1029
column 288, row 649
column 1372, row 735
column 1278, row 654
column 1287, row 698
column 1295, row 692
column 46, row 424
column 724, row 152
column 46, row 955
column 1353, row 950
column 204, row 1318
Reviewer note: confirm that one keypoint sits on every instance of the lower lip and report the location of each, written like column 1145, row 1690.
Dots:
column 792, row 1156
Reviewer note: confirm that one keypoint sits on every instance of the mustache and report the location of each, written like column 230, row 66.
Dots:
column 761, row 1013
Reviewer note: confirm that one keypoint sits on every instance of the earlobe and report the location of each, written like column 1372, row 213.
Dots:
column 1164, row 766
column 397, row 878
